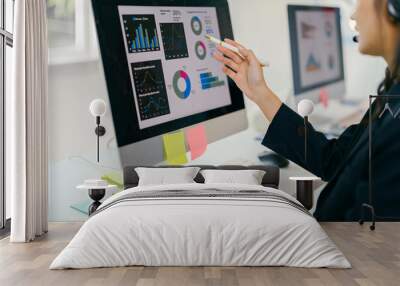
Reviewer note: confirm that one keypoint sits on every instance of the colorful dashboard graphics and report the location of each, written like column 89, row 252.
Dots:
column 141, row 33
column 197, row 26
column 174, row 40
column 308, row 31
column 208, row 81
column 150, row 89
column 182, row 85
column 312, row 64
column 201, row 50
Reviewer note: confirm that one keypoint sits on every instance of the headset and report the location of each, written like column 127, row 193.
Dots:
column 393, row 7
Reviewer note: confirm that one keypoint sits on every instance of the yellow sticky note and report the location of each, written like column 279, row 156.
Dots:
column 175, row 149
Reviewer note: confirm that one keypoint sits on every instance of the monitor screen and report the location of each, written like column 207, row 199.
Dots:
column 171, row 68
column 316, row 44
column 159, row 68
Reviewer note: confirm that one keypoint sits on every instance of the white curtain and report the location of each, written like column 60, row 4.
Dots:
column 26, row 123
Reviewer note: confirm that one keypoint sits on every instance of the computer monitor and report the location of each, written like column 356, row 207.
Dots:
column 317, row 52
column 160, row 73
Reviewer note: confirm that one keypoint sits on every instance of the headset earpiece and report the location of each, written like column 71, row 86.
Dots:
column 393, row 7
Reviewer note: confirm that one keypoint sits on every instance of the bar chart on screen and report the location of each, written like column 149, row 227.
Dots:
column 208, row 81
column 141, row 33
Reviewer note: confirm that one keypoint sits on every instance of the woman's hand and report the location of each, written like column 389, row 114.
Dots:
column 247, row 73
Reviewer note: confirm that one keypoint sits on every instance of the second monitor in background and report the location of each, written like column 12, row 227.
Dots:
column 317, row 60
column 317, row 52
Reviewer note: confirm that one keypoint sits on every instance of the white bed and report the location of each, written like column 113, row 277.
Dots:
column 201, row 231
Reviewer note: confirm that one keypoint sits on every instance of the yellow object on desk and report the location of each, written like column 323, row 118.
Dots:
column 175, row 148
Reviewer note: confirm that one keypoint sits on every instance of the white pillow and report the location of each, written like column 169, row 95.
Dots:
column 243, row 177
column 166, row 176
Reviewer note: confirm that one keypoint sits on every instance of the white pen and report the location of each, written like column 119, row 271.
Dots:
column 232, row 48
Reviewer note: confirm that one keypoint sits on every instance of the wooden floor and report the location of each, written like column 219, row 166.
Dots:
column 375, row 257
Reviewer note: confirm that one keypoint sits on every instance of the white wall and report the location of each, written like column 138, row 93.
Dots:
column 72, row 141
column 259, row 24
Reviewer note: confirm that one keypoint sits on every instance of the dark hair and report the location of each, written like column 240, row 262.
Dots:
column 391, row 78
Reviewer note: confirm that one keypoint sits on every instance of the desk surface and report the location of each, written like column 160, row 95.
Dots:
column 375, row 258
column 244, row 150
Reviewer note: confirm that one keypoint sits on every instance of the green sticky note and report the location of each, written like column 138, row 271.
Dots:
column 114, row 178
column 175, row 149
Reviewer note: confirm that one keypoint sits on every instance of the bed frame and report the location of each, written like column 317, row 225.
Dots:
column 271, row 178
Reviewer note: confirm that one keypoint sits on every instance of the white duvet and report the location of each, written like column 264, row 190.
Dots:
column 200, row 232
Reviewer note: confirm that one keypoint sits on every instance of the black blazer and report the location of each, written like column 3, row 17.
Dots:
column 343, row 162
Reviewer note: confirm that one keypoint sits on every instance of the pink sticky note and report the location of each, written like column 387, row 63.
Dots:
column 197, row 141
column 324, row 97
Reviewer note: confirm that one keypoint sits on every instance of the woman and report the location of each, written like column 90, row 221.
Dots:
column 342, row 162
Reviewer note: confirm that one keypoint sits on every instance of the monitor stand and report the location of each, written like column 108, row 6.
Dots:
column 273, row 159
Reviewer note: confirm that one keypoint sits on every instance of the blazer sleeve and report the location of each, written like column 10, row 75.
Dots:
column 285, row 136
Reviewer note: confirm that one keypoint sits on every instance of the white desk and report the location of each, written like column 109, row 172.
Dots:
column 244, row 150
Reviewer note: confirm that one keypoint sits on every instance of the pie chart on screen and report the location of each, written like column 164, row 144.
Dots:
column 197, row 27
column 182, row 85
column 201, row 50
